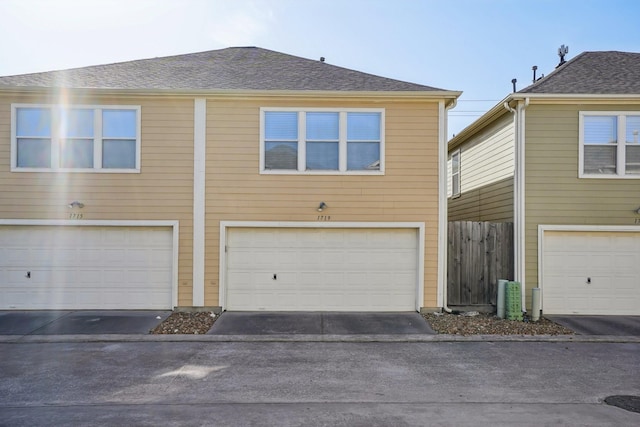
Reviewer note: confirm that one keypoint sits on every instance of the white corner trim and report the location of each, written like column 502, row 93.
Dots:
column 519, row 199
column 175, row 226
column 442, row 205
column 199, row 167
column 224, row 225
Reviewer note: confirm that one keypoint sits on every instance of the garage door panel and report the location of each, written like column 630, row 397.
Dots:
column 321, row 269
column 88, row 267
column 591, row 273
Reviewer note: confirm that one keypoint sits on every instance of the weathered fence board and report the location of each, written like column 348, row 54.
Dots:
column 479, row 254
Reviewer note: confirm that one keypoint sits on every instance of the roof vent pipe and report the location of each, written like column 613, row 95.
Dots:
column 534, row 68
column 322, row 59
column 513, row 82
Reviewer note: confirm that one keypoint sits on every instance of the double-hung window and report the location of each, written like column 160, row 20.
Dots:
column 75, row 138
column 322, row 141
column 609, row 145
column 455, row 173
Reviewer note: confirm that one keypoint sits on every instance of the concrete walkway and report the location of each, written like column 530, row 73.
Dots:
column 320, row 323
column 600, row 325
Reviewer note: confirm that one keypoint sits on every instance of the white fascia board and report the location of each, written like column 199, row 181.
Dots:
column 418, row 94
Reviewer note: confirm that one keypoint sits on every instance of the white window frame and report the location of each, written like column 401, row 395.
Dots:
column 456, row 190
column 620, row 144
column 57, row 137
column 342, row 144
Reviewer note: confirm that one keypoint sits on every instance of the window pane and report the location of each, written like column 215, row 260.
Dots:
column 600, row 159
column 323, row 126
column 633, row 129
column 363, row 126
column 77, row 123
column 455, row 184
column 363, row 156
column 600, row 129
column 455, row 163
column 118, row 154
column 322, row 155
column 76, row 153
column 33, row 122
column 119, row 123
column 34, row 153
column 632, row 159
column 280, row 125
column 281, row 155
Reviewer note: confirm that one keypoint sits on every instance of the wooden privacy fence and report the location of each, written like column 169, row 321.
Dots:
column 479, row 254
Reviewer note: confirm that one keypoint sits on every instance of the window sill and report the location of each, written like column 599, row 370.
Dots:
column 603, row 176
column 319, row 172
column 45, row 170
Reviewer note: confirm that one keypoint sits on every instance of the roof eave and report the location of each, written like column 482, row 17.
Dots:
column 499, row 109
column 496, row 111
column 408, row 95
column 566, row 97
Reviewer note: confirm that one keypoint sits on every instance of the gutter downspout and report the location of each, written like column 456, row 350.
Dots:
column 518, row 195
column 443, row 210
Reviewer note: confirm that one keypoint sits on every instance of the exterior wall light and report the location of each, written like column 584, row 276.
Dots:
column 322, row 206
column 75, row 204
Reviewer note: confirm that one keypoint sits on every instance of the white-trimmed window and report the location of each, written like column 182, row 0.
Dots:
column 75, row 138
column 455, row 173
column 609, row 144
column 322, row 141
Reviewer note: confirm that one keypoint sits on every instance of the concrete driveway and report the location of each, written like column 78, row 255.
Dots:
column 600, row 325
column 319, row 323
column 79, row 322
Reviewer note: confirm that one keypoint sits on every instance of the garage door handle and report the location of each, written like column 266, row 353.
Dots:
column 275, row 276
column 28, row 275
column 588, row 280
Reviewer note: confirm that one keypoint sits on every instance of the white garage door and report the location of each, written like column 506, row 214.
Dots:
column 297, row 269
column 88, row 267
column 591, row 273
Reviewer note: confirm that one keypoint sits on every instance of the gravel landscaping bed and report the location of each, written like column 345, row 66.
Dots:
column 186, row 323
column 490, row 324
column 443, row 323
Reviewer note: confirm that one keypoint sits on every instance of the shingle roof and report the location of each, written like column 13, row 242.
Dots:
column 237, row 68
column 593, row 73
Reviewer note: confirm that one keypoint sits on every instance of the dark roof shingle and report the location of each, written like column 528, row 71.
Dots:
column 608, row 72
column 237, row 68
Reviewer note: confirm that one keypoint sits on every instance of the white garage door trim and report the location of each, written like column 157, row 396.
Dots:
column 117, row 223
column 572, row 228
column 418, row 226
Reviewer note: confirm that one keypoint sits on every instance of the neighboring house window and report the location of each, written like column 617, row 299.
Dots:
column 75, row 138
column 609, row 145
column 322, row 141
column 455, row 173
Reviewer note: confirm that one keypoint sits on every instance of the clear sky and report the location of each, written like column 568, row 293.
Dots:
column 476, row 46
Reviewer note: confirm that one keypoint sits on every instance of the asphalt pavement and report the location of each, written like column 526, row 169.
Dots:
column 316, row 383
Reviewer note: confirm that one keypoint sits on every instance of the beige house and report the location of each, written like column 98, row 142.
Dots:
column 561, row 159
column 235, row 179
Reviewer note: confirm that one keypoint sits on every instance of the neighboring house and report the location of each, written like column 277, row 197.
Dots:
column 234, row 179
column 561, row 159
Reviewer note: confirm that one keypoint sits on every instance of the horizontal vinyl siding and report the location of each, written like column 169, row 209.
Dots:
column 554, row 193
column 162, row 191
column 487, row 162
column 492, row 203
column 236, row 191
column 489, row 156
